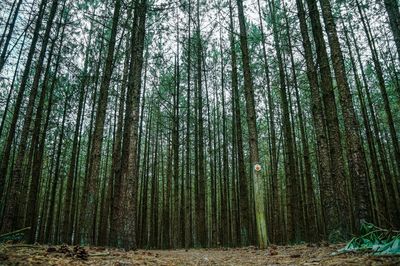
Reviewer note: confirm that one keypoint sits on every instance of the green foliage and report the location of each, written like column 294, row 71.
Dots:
column 378, row 241
column 336, row 236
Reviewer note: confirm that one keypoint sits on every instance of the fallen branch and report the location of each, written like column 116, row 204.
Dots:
column 100, row 254
column 24, row 246
column 15, row 232
column 14, row 235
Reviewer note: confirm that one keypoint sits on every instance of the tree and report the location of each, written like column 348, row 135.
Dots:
column 392, row 9
column 24, row 79
column 330, row 198
column 89, row 199
column 122, row 122
column 252, row 127
column 355, row 151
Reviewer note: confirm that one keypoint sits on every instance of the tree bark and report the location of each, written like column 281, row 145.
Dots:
column 312, row 227
column 392, row 9
column 32, row 210
column 253, row 136
column 356, row 160
column 290, row 164
column 89, row 199
column 382, row 86
column 337, row 217
column 9, row 222
column 129, row 145
column 14, row 204
column 188, row 195
column 50, row 218
column 67, row 223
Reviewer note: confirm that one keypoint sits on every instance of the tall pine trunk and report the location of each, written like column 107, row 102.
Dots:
column 356, row 159
column 5, row 160
column 90, row 199
column 335, row 204
column 253, row 135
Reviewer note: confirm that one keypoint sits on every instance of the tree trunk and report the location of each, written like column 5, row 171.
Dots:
column 356, row 160
column 188, row 198
column 50, row 218
column 337, row 217
column 175, row 147
column 253, row 136
column 89, row 199
column 32, row 210
column 201, row 184
column 67, row 223
column 14, row 204
column 312, row 228
column 392, row 9
column 9, row 222
column 382, row 86
column 290, row 164
column 129, row 145
column 323, row 160
column 382, row 154
column 6, row 108
column 9, row 35
column 115, row 193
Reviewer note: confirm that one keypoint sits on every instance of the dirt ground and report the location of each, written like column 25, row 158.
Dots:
column 274, row 255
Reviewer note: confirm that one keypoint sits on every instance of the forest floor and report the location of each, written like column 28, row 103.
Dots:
column 274, row 255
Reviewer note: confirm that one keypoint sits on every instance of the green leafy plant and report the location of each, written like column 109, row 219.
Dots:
column 378, row 241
